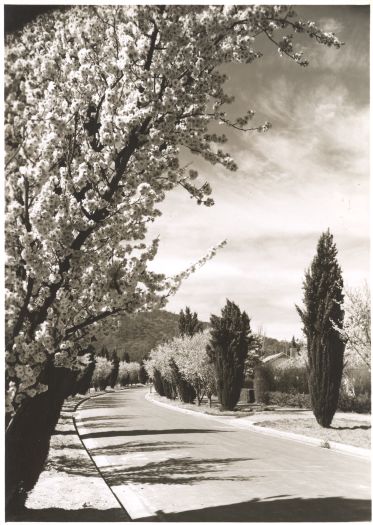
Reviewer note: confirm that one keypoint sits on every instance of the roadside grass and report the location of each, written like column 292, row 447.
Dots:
column 242, row 409
column 347, row 431
column 347, row 428
column 70, row 488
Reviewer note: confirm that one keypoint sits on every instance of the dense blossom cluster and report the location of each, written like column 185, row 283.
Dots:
column 356, row 330
column 99, row 101
column 190, row 356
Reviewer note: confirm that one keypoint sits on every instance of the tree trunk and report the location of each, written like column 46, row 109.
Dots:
column 28, row 435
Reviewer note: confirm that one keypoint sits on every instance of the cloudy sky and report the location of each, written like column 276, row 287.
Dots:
column 310, row 172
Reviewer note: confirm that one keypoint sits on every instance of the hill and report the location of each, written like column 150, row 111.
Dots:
column 138, row 334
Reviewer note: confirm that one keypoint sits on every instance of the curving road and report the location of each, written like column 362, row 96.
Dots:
column 165, row 465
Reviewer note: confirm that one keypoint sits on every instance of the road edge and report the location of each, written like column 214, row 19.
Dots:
column 239, row 423
column 74, row 415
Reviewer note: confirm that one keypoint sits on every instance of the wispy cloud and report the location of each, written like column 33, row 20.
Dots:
column 309, row 173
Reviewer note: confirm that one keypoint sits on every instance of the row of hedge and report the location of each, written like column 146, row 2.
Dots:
column 289, row 387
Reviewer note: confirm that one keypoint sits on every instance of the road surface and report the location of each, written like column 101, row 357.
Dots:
column 164, row 465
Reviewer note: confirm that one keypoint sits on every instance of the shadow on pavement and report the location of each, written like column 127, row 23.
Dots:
column 79, row 466
column 361, row 427
column 63, row 433
column 55, row 514
column 118, row 433
column 135, row 446
column 290, row 510
column 175, row 471
column 104, row 418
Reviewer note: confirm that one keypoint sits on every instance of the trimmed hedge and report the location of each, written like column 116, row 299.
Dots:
column 289, row 399
column 360, row 404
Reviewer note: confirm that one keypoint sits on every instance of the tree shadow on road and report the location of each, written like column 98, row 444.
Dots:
column 175, row 471
column 68, row 516
column 277, row 510
column 95, row 419
column 356, row 427
column 137, row 446
column 79, row 466
column 124, row 433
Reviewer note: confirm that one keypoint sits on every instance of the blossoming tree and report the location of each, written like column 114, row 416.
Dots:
column 99, row 101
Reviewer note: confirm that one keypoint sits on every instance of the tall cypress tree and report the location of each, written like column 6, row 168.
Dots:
column 228, row 348
column 189, row 323
column 323, row 300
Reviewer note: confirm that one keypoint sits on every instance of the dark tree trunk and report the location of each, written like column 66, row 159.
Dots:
column 28, row 436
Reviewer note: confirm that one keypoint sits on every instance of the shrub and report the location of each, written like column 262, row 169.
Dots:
column 293, row 399
column 360, row 403
column 263, row 380
column 123, row 374
column 359, row 380
column 102, row 373
column 292, row 378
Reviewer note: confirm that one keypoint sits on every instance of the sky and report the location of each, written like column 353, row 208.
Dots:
column 310, row 172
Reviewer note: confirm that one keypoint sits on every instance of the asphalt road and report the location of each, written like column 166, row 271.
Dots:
column 169, row 466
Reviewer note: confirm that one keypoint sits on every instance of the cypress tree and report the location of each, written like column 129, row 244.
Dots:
column 189, row 323
column 158, row 383
column 126, row 357
column 323, row 300
column 143, row 376
column 228, row 348
column 114, row 369
column 185, row 390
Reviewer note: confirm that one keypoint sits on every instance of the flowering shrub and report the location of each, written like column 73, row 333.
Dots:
column 356, row 330
column 128, row 373
column 192, row 363
column 101, row 373
column 123, row 374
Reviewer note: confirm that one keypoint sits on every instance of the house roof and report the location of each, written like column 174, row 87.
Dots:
column 273, row 357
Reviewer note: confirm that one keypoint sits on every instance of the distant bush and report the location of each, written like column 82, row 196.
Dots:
column 358, row 379
column 360, row 403
column 123, row 374
column 289, row 399
column 101, row 374
column 263, row 379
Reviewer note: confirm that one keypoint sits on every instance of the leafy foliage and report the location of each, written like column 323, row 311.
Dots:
column 323, row 299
